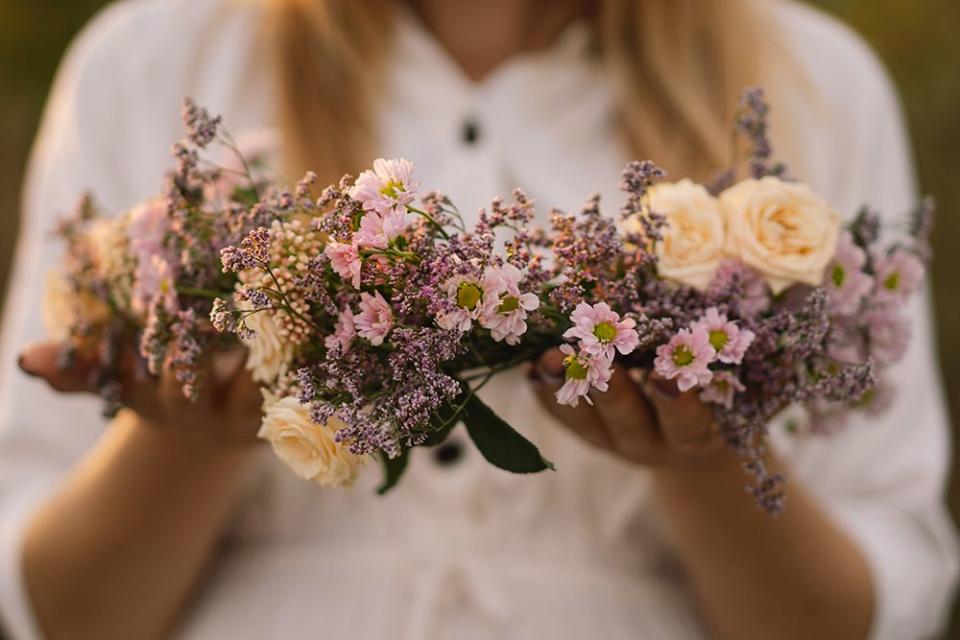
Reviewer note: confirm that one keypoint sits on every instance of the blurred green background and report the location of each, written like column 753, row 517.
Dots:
column 918, row 40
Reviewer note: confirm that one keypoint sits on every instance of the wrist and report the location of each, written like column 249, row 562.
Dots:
column 172, row 441
column 718, row 475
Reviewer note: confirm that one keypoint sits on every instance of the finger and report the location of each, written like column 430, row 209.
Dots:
column 245, row 398
column 582, row 420
column 686, row 423
column 222, row 371
column 550, row 365
column 627, row 416
column 45, row 360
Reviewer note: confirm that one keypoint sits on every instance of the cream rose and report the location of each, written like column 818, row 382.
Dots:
column 270, row 351
column 309, row 449
column 693, row 238
column 781, row 229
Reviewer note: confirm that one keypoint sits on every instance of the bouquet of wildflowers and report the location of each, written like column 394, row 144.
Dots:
column 151, row 274
column 373, row 314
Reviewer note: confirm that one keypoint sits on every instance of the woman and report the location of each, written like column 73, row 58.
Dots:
column 168, row 520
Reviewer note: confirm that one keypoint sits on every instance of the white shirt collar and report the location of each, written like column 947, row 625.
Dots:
column 543, row 119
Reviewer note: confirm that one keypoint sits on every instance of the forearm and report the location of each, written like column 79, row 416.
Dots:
column 117, row 550
column 794, row 576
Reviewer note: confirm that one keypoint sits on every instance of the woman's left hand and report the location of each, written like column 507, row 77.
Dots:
column 646, row 422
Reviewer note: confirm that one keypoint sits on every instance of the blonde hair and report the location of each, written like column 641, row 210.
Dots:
column 677, row 67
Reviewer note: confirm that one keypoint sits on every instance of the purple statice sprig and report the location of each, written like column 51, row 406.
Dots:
column 752, row 123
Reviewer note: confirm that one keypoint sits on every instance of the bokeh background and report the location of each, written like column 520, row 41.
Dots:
column 918, row 40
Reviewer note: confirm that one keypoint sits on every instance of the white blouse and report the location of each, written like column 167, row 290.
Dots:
column 464, row 550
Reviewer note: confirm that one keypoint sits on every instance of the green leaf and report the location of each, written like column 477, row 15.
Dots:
column 500, row 443
column 393, row 468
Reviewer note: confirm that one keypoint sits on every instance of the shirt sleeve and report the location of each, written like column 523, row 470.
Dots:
column 42, row 433
column 881, row 477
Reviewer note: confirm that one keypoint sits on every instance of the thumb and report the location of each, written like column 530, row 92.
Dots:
column 686, row 422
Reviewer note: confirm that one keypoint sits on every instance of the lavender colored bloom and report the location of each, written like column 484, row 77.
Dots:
column 889, row 335
column 686, row 357
column 469, row 295
column 845, row 280
column 636, row 179
column 898, row 275
column 728, row 340
column 345, row 260
column 375, row 318
column 379, row 230
column 147, row 232
column 253, row 252
column 721, row 389
column 743, row 288
column 390, row 186
column 343, row 334
column 505, row 314
column 752, row 123
column 601, row 331
column 201, row 126
column 582, row 371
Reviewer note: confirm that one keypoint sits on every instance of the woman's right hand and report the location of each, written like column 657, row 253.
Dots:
column 227, row 411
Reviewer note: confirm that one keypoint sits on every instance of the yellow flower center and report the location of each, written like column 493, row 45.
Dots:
column 392, row 189
column 468, row 295
column 509, row 304
column 573, row 368
column 838, row 275
column 719, row 339
column 605, row 331
column 682, row 356
column 892, row 281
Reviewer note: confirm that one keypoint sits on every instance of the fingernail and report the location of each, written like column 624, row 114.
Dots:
column 550, row 375
column 666, row 388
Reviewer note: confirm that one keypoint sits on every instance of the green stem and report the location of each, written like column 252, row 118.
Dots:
column 198, row 292
column 286, row 303
column 430, row 219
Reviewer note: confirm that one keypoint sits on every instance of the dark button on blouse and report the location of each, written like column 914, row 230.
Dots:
column 448, row 453
column 470, row 131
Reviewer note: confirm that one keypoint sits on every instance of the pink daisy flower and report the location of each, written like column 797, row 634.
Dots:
column 345, row 260
column 581, row 372
column 846, row 282
column 505, row 315
column 379, row 231
column 390, row 186
column 753, row 293
column 897, row 275
column 686, row 357
column 728, row 340
column 375, row 318
column 846, row 342
column 722, row 388
column 469, row 295
column 344, row 332
column 888, row 335
column 601, row 331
